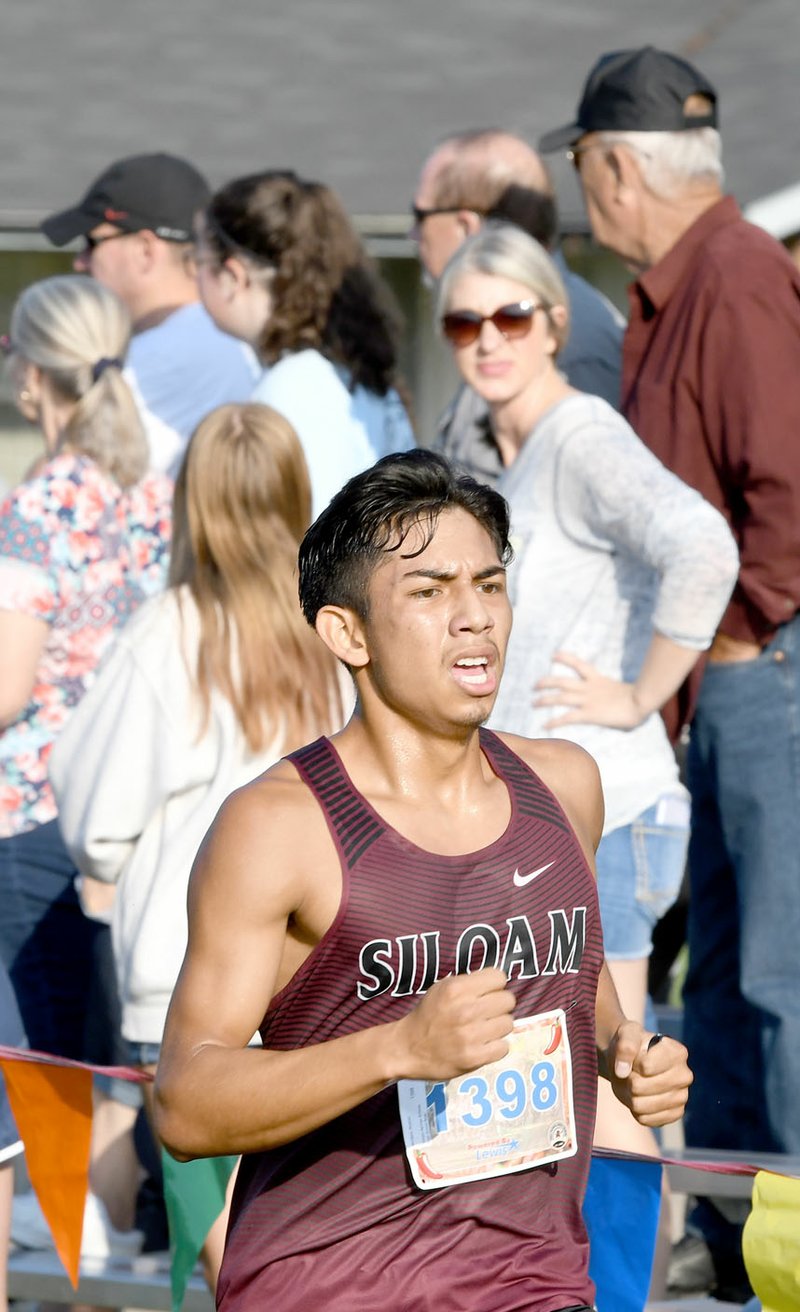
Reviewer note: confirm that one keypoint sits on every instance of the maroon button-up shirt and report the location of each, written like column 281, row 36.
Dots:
column 711, row 383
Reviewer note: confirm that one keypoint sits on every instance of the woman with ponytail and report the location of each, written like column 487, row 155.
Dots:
column 83, row 541
column 280, row 265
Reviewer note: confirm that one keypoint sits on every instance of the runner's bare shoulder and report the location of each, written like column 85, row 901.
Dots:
column 569, row 772
column 265, row 839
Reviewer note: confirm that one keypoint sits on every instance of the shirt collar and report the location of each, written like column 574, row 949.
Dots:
column 655, row 287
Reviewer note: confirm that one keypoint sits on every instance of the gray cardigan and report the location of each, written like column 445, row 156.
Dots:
column 609, row 545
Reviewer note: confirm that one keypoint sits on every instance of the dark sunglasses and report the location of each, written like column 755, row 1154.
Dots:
column 463, row 327
column 420, row 214
column 91, row 243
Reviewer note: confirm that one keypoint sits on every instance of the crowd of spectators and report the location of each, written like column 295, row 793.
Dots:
column 230, row 360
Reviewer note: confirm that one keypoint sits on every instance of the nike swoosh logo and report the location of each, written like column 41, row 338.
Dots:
column 521, row 880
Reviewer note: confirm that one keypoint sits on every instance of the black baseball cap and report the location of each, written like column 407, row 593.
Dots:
column 636, row 91
column 159, row 192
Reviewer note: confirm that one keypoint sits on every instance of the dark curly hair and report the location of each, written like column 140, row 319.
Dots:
column 327, row 295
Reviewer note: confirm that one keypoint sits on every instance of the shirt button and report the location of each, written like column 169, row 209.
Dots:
column 779, row 656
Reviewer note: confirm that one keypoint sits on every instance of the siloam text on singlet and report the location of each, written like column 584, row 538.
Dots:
column 334, row 1219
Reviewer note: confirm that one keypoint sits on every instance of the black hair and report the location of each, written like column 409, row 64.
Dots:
column 374, row 513
column 533, row 211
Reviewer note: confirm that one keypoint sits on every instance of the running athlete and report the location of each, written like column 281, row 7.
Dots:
column 407, row 913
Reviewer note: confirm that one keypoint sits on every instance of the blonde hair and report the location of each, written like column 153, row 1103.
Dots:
column 77, row 332
column 504, row 251
column 242, row 506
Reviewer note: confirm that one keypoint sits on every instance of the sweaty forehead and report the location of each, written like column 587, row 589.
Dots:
column 456, row 542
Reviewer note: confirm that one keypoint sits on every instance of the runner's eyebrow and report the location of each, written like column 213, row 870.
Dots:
column 444, row 575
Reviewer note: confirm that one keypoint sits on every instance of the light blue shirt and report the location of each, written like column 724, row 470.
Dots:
column 341, row 431
column 180, row 370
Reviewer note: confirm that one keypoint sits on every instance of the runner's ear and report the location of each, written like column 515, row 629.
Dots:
column 342, row 632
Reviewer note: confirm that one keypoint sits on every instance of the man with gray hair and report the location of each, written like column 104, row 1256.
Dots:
column 495, row 175
column 711, row 382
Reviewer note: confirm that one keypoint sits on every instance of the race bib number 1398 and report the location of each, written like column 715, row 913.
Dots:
column 505, row 1117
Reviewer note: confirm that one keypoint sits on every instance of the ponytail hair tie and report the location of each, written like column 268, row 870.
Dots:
column 100, row 367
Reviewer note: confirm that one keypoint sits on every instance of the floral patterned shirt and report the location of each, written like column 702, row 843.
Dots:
column 81, row 554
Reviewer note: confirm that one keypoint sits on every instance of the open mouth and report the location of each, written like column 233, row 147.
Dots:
column 475, row 674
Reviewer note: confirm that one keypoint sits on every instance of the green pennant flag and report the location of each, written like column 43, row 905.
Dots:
column 194, row 1193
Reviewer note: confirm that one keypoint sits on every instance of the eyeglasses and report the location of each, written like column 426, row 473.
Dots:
column 575, row 152
column 421, row 214
column 463, row 327
column 91, row 243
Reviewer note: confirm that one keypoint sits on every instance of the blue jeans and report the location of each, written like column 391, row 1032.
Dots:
column 46, row 942
column 12, row 1036
column 639, row 871
column 144, row 1054
column 742, row 992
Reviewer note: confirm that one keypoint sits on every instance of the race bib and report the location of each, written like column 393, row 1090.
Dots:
column 508, row 1116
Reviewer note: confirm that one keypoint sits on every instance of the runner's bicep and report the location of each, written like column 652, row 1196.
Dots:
column 241, row 895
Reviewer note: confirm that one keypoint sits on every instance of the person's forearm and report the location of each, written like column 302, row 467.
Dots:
column 22, row 641
column 608, row 1016
column 16, row 686
column 218, row 1101
column 213, row 1099
column 665, row 667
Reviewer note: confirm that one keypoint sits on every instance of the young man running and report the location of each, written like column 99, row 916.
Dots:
column 408, row 914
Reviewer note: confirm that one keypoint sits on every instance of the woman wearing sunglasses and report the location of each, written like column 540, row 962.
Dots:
column 620, row 577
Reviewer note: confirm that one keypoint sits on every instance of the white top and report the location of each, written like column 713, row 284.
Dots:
column 179, row 371
column 609, row 545
column 342, row 432
column 137, row 789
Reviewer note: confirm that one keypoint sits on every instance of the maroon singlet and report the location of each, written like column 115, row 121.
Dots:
column 333, row 1222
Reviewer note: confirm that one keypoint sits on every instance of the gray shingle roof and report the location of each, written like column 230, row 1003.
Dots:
column 355, row 91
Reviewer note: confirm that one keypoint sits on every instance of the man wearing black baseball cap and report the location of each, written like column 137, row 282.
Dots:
column 160, row 193
column 135, row 221
column 711, row 382
column 637, row 91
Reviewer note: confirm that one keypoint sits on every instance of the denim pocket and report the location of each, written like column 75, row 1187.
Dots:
column 730, row 670
column 659, row 852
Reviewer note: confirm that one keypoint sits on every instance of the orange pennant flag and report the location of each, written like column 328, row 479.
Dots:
column 52, row 1107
